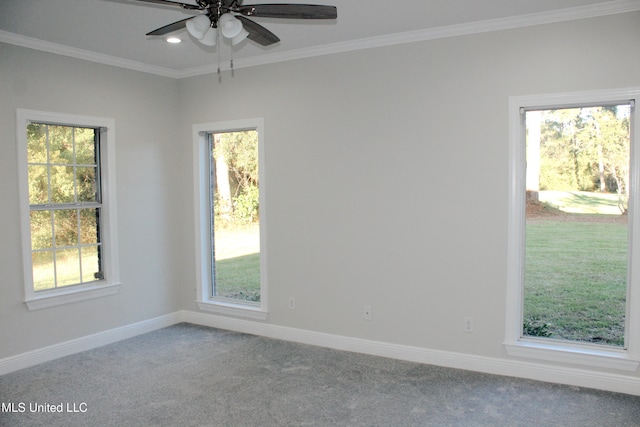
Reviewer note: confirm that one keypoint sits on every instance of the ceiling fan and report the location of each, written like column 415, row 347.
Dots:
column 230, row 16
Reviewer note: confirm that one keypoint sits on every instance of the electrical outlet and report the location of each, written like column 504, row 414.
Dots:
column 366, row 312
column 292, row 303
column 468, row 324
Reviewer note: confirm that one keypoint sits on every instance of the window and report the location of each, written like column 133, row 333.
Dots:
column 68, row 232
column 230, row 210
column 573, row 206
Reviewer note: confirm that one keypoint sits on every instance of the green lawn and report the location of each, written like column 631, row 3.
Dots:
column 67, row 268
column 582, row 202
column 575, row 279
column 239, row 277
column 237, row 267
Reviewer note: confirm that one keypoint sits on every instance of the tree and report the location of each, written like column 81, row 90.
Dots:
column 62, row 169
column 586, row 149
column 533, row 119
column 223, row 186
column 239, row 153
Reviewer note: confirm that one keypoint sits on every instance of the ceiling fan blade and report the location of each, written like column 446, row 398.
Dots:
column 293, row 11
column 172, row 3
column 169, row 28
column 257, row 32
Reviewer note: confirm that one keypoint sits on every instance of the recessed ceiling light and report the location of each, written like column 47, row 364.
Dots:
column 173, row 40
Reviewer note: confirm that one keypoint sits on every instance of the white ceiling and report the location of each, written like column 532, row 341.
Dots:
column 113, row 31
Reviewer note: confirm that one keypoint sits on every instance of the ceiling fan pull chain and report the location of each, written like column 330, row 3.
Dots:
column 218, row 48
column 231, row 61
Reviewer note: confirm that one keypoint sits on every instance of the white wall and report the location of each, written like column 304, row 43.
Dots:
column 387, row 179
column 144, row 109
column 387, row 173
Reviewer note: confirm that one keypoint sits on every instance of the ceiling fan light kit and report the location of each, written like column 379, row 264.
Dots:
column 237, row 39
column 210, row 37
column 230, row 26
column 198, row 26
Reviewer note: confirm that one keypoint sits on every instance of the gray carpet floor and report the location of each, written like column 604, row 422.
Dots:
column 188, row 375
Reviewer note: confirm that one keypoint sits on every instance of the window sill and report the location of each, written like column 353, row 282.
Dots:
column 580, row 355
column 56, row 297
column 232, row 309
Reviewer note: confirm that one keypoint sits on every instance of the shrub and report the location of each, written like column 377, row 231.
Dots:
column 246, row 206
column 535, row 328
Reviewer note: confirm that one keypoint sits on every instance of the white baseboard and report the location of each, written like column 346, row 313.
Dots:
column 45, row 354
column 508, row 367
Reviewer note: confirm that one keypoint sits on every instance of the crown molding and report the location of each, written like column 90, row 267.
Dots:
column 100, row 58
column 561, row 15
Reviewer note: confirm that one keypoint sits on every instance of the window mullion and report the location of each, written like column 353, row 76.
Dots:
column 59, row 206
column 79, row 242
column 75, row 166
column 53, row 247
column 48, row 151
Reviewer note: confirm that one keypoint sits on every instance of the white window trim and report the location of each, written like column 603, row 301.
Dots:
column 560, row 351
column 202, row 200
column 109, row 286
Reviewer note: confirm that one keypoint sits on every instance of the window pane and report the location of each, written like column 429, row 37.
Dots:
column 576, row 224
column 43, row 272
column 66, row 227
column 85, row 146
column 60, row 144
column 236, row 237
column 89, row 226
column 86, row 184
column 41, row 230
column 62, row 184
column 68, row 267
column 90, row 264
column 37, row 143
column 64, row 172
column 38, row 185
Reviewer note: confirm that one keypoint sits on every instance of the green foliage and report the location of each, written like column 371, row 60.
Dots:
column 586, row 149
column 535, row 328
column 240, row 149
column 246, row 205
column 240, row 153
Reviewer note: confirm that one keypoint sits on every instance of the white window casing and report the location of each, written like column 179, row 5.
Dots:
column 627, row 359
column 203, row 222
column 111, row 282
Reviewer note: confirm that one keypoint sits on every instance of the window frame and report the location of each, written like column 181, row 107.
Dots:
column 628, row 358
column 203, row 221
column 111, row 282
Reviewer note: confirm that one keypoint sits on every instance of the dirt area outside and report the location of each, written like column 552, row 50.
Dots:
column 539, row 211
